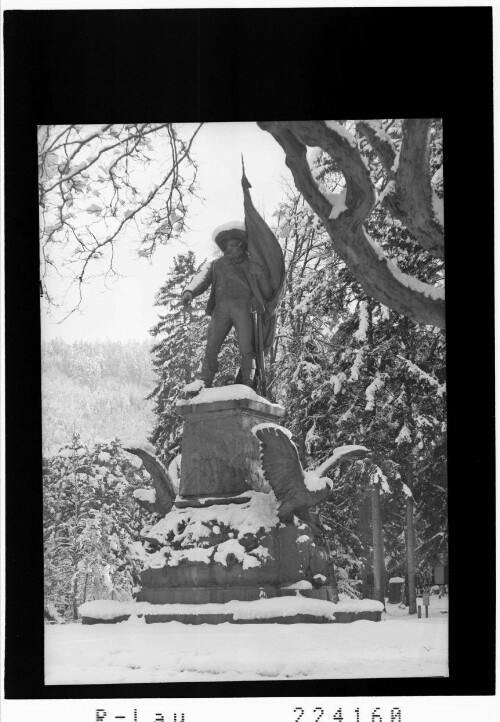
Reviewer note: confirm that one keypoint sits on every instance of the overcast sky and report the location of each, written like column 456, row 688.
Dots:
column 126, row 311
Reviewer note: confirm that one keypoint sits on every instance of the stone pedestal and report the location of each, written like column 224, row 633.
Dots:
column 209, row 553
column 220, row 455
column 222, row 543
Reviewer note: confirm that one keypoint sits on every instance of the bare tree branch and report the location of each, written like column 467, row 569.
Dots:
column 96, row 182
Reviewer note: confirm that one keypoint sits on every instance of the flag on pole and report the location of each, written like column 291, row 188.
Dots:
column 264, row 249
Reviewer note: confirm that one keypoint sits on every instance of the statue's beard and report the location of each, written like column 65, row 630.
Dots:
column 235, row 257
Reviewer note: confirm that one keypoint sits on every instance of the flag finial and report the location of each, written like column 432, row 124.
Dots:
column 244, row 180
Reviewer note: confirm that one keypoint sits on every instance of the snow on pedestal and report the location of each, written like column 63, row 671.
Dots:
column 281, row 609
column 216, row 553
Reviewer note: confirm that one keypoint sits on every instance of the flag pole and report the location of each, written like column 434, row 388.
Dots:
column 262, row 362
column 256, row 313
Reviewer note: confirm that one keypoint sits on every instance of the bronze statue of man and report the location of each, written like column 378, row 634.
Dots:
column 239, row 286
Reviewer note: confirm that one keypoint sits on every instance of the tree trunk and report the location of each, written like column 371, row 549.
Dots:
column 383, row 570
column 378, row 542
column 85, row 587
column 410, row 542
column 410, row 528
column 75, row 600
column 378, row 547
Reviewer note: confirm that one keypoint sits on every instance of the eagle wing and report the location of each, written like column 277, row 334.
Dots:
column 281, row 466
column 165, row 491
column 349, row 451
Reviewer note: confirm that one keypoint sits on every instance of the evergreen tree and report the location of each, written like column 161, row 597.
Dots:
column 91, row 526
column 352, row 371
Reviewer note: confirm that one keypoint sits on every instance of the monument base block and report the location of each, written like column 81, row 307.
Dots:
column 284, row 610
column 220, row 455
column 221, row 554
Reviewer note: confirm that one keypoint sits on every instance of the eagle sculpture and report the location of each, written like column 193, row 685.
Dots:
column 296, row 490
column 163, row 484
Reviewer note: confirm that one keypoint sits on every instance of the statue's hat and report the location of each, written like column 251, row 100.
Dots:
column 234, row 230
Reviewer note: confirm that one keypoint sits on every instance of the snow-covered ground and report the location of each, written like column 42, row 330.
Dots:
column 132, row 651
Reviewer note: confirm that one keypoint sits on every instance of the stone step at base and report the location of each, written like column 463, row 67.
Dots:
column 285, row 610
column 340, row 618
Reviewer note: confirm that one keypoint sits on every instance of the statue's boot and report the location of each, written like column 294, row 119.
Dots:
column 195, row 388
column 209, row 368
column 247, row 370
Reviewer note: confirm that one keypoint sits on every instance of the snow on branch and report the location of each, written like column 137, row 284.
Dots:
column 371, row 390
column 423, row 375
column 404, row 436
column 360, row 334
column 377, row 477
column 381, row 143
column 378, row 275
column 412, row 198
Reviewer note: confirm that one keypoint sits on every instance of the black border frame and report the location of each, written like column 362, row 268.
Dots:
column 188, row 65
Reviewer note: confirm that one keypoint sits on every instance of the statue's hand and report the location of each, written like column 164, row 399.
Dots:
column 186, row 298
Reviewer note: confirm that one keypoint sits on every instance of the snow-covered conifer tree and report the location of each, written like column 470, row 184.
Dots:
column 92, row 525
column 352, row 371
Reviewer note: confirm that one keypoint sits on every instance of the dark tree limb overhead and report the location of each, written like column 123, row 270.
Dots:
column 411, row 199
column 377, row 274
